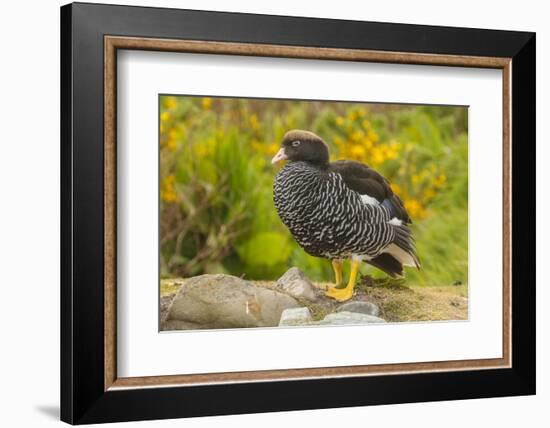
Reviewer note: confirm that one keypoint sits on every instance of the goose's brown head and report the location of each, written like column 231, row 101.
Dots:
column 298, row 145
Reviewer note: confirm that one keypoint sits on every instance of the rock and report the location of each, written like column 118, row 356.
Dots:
column 295, row 283
column 302, row 317
column 346, row 318
column 295, row 316
column 225, row 301
column 182, row 325
column 164, row 305
column 366, row 308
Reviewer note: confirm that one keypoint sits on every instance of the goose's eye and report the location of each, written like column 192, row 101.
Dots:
column 296, row 143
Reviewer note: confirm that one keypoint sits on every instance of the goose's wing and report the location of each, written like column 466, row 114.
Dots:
column 372, row 187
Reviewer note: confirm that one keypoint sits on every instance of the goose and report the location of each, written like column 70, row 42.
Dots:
column 341, row 210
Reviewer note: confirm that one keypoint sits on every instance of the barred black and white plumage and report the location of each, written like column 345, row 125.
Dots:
column 341, row 210
column 330, row 220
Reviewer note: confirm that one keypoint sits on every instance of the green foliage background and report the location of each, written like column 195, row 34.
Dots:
column 217, row 212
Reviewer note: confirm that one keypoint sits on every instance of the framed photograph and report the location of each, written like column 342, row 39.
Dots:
column 266, row 213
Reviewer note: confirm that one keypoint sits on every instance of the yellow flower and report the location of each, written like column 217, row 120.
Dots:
column 169, row 180
column 396, row 188
column 167, row 191
column 170, row 197
column 165, row 115
column 429, row 194
column 170, row 103
column 414, row 208
column 272, row 148
column 373, row 135
column 254, row 122
column 366, row 124
column 172, row 144
column 358, row 150
column 357, row 136
column 352, row 115
column 440, row 181
column 377, row 156
column 339, row 121
column 206, row 103
column 390, row 151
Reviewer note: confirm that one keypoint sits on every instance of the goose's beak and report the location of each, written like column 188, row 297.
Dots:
column 281, row 155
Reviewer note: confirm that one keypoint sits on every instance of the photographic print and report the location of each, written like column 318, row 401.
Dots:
column 275, row 198
column 295, row 213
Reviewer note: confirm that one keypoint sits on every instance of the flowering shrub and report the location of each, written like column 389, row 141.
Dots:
column 217, row 213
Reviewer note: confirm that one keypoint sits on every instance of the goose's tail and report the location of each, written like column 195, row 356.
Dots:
column 403, row 248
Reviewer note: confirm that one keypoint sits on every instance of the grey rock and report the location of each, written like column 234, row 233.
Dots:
column 366, row 308
column 347, row 318
column 295, row 283
column 295, row 316
column 164, row 305
column 182, row 325
column 225, row 301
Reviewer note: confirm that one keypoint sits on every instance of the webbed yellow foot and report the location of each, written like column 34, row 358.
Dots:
column 337, row 266
column 340, row 294
column 343, row 294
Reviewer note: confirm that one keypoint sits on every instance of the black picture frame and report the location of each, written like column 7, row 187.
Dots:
column 83, row 398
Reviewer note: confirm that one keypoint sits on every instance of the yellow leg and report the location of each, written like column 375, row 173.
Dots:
column 343, row 294
column 337, row 266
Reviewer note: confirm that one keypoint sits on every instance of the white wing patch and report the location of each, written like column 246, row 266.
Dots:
column 360, row 257
column 369, row 200
column 395, row 221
